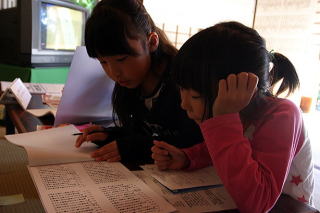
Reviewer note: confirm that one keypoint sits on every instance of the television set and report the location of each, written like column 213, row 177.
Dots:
column 41, row 33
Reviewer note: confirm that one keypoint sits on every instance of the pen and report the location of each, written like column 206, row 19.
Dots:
column 81, row 133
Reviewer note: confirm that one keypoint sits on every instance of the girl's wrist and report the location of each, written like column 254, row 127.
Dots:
column 186, row 163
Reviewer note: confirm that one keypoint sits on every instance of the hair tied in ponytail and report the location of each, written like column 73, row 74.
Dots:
column 271, row 55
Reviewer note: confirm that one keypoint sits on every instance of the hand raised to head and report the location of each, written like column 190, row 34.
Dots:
column 235, row 93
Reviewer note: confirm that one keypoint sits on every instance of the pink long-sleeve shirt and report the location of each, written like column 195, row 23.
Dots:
column 271, row 156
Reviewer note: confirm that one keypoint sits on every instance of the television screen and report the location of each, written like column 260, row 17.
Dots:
column 41, row 33
column 61, row 27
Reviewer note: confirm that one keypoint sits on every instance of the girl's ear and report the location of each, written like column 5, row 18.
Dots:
column 153, row 41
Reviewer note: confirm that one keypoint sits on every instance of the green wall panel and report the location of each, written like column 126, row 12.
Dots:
column 56, row 75
column 9, row 73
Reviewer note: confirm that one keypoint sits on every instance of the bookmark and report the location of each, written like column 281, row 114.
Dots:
column 11, row 199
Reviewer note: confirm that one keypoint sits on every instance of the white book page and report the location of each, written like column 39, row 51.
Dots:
column 55, row 145
column 208, row 200
column 179, row 180
column 20, row 92
column 42, row 112
column 95, row 187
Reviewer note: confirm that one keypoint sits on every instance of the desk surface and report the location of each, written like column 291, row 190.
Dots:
column 13, row 164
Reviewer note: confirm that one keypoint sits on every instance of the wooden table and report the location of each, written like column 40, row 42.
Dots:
column 26, row 122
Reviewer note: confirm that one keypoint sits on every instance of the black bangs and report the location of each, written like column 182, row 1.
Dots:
column 107, row 32
column 192, row 68
column 185, row 72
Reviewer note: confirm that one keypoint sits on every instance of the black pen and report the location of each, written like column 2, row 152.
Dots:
column 81, row 133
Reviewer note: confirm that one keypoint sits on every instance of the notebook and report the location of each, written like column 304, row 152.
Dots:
column 86, row 96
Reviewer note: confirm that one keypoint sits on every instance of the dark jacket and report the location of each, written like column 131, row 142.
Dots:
column 165, row 121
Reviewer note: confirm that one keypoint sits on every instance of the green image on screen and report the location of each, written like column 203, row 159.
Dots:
column 61, row 27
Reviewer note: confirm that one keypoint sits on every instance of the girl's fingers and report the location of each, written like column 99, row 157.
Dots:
column 252, row 81
column 115, row 159
column 111, row 157
column 222, row 88
column 232, row 82
column 99, row 136
column 162, row 165
column 160, row 157
column 79, row 141
column 91, row 137
column 92, row 128
column 160, row 151
column 99, row 153
column 106, row 149
column 165, row 146
column 106, row 156
column 242, row 81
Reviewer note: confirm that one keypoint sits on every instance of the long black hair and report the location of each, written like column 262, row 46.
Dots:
column 107, row 31
column 230, row 48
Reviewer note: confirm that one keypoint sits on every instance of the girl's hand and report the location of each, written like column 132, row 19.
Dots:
column 235, row 93
column 167, row 156
column 89, row 136
column 108, row 152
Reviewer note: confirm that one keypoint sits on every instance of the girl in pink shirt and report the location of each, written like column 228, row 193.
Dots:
column 256, row 141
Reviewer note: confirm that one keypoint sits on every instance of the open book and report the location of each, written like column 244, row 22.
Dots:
column 68, row 180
